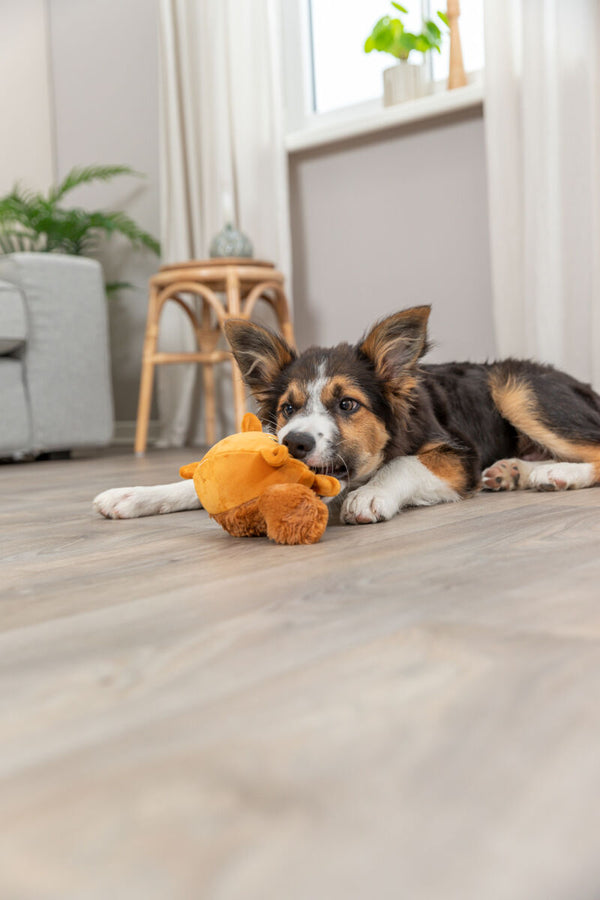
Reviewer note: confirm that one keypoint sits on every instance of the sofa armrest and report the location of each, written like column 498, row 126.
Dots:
column 66, row 356
column 13, row 320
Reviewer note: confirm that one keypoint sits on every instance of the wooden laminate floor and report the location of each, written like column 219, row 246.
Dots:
column 406, row 710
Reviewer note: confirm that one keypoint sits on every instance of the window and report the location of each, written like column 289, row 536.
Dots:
column 343, row 74
column 338, row 74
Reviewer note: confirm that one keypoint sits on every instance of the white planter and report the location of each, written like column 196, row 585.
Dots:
column 405, row 81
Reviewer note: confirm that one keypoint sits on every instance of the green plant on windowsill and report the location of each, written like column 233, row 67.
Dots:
column 31, row 221
column 390, row 36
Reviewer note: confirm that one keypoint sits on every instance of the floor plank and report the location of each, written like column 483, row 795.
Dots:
column 402, row 710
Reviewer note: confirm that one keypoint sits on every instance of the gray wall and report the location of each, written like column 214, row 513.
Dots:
column 394, row 220
column 82, row 82
column 104, row 65
column 26, row 141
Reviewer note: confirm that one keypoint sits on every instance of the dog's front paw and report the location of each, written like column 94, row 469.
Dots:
column 368, row 504
column 123, row 503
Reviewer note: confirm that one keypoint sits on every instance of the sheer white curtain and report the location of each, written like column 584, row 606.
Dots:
column 542, row 115
column 221, row 147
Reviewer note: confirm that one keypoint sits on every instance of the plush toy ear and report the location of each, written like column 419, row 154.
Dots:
column 188, row 471
column 250, row 422
column 276, row 455
column 326, row 485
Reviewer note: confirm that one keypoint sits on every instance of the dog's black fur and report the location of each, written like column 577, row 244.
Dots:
column 472, row 413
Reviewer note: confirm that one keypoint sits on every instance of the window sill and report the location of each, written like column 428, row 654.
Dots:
column 434, row 106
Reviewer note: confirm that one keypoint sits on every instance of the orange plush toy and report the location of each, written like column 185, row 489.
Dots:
column 251, row 486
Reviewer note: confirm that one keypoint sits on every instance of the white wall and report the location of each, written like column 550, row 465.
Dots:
column 26, row 151
column 390, row 221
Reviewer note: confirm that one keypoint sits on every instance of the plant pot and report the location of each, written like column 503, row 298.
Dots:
column 405, row 81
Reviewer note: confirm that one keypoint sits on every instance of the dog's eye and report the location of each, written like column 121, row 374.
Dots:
column 348, row 404
column 287, row 410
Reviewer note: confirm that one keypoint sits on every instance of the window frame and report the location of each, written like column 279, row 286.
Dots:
column 305, row 127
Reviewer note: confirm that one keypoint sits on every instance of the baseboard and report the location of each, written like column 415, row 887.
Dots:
column 124, row 434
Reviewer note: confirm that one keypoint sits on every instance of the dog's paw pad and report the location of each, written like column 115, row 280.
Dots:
column 504, row 475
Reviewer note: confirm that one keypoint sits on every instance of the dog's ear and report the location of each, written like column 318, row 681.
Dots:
column 395, row 344
column 260, row 354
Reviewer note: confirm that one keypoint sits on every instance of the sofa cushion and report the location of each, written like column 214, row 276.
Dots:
column 13, row 319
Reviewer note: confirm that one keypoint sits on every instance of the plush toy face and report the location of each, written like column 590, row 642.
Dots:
column 240, row 467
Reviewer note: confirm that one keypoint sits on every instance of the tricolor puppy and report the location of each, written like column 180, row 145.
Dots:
column 398, row 433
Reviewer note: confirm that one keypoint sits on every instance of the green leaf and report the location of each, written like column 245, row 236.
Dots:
column 401, row 8
column 78, row 176
column 112, row 286
column 30, row 221
column 432, row 29
column 444, row 18
column 121, row 223
column 408, row 42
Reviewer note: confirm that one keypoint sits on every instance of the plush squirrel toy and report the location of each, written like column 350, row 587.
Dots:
column 251, row 486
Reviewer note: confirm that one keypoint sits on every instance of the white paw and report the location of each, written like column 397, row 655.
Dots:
column 559, row 476
column 368, row 504
column 152, row 500
column 125, row 503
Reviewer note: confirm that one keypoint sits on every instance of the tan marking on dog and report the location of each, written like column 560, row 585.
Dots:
column 296, row 395
column 364, row 438
column 340, row 387
column 400, row 393
column 445, row 464
column 516, row 401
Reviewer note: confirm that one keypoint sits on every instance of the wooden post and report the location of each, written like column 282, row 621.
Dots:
column 457, row 76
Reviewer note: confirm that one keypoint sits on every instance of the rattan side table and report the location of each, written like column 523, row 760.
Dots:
column 241, row 283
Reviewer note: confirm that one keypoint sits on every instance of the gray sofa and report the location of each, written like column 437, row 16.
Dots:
column 55, row 389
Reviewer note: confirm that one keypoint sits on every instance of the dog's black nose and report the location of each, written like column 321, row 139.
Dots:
column 299, row 443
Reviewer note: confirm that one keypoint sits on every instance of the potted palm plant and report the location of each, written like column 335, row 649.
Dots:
column 405, row 80
column 31, row 221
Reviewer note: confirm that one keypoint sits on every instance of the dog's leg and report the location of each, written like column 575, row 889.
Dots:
column 522, row 475
column 133, row 502
column 544, row 405
column 402, row 482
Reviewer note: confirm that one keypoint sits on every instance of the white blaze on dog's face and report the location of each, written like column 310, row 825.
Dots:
column 305, row 425
column 333, row 408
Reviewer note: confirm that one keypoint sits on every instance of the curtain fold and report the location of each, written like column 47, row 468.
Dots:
column 542, row 113
column 221, row 153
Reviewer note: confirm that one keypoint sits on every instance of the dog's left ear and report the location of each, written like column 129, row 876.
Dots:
column 395, row 344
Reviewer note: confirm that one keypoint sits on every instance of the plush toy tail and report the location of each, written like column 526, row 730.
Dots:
column 188, row 471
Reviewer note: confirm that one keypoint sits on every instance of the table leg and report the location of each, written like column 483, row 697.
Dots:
column 147, row 376
column 207, row 338
column 234, row 309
